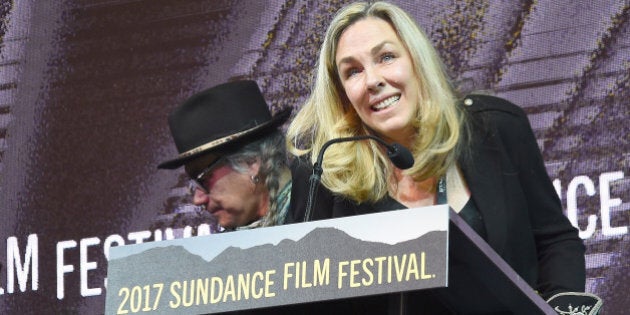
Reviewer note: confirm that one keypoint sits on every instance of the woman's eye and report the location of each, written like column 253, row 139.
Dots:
column 351, row 72
column 387, row 57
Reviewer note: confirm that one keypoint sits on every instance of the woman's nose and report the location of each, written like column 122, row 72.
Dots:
column 374, row 80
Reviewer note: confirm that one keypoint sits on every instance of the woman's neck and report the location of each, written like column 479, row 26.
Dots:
column 410, row 192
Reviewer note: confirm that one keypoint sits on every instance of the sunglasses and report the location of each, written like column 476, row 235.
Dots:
column 199, row 181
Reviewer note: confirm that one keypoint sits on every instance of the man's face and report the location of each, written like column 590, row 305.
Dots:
column 232, row 197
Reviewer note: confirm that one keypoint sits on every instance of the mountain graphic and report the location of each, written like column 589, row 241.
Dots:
column 175, row 262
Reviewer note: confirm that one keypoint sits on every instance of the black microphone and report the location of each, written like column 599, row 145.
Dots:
column 400, row 156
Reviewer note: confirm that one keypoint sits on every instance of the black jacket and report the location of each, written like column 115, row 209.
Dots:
column 505, row 173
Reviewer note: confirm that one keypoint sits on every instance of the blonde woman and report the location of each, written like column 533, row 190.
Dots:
column 379, row 75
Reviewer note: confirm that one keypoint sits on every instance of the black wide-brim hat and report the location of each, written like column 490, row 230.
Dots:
column 225, row 115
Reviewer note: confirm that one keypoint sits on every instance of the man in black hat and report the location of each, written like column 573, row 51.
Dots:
column 234, row 153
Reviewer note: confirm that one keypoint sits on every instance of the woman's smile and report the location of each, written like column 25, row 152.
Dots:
column 386, row 103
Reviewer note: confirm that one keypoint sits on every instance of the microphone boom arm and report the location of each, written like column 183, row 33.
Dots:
column 399, row 155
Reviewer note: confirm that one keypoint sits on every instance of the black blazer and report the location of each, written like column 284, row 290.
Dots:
column 505, row 173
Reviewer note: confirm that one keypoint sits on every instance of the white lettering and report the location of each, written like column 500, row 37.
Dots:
column 606, row 203
column 188, row 231
column 109, row 241
column 139, row 237
column 86, row 265
column 61, row 268
column 14, row 261
column 572, row 208
column 168, row 234
column 203, row 229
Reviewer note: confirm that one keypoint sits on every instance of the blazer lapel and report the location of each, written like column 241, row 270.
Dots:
column 482, row 172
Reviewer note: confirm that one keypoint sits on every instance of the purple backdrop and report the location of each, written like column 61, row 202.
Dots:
column 85, row 88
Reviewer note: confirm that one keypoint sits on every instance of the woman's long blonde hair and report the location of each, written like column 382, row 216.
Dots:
column 360, row 170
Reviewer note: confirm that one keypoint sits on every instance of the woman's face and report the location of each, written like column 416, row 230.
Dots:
column 234, row 199
column 377, row 75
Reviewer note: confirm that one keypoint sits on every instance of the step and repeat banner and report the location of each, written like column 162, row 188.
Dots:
column 86, row 86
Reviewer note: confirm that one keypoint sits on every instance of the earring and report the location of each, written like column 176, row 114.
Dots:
column 255, row 179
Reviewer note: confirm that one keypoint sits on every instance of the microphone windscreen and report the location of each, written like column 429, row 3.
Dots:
column 400, row 156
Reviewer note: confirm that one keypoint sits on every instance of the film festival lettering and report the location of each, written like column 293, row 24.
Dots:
column 268, row 284
column 23, row 255
column 23, row 261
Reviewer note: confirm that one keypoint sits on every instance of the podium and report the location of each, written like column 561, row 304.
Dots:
column 414, row 261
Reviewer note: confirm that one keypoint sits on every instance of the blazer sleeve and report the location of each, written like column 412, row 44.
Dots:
column 560, row 251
